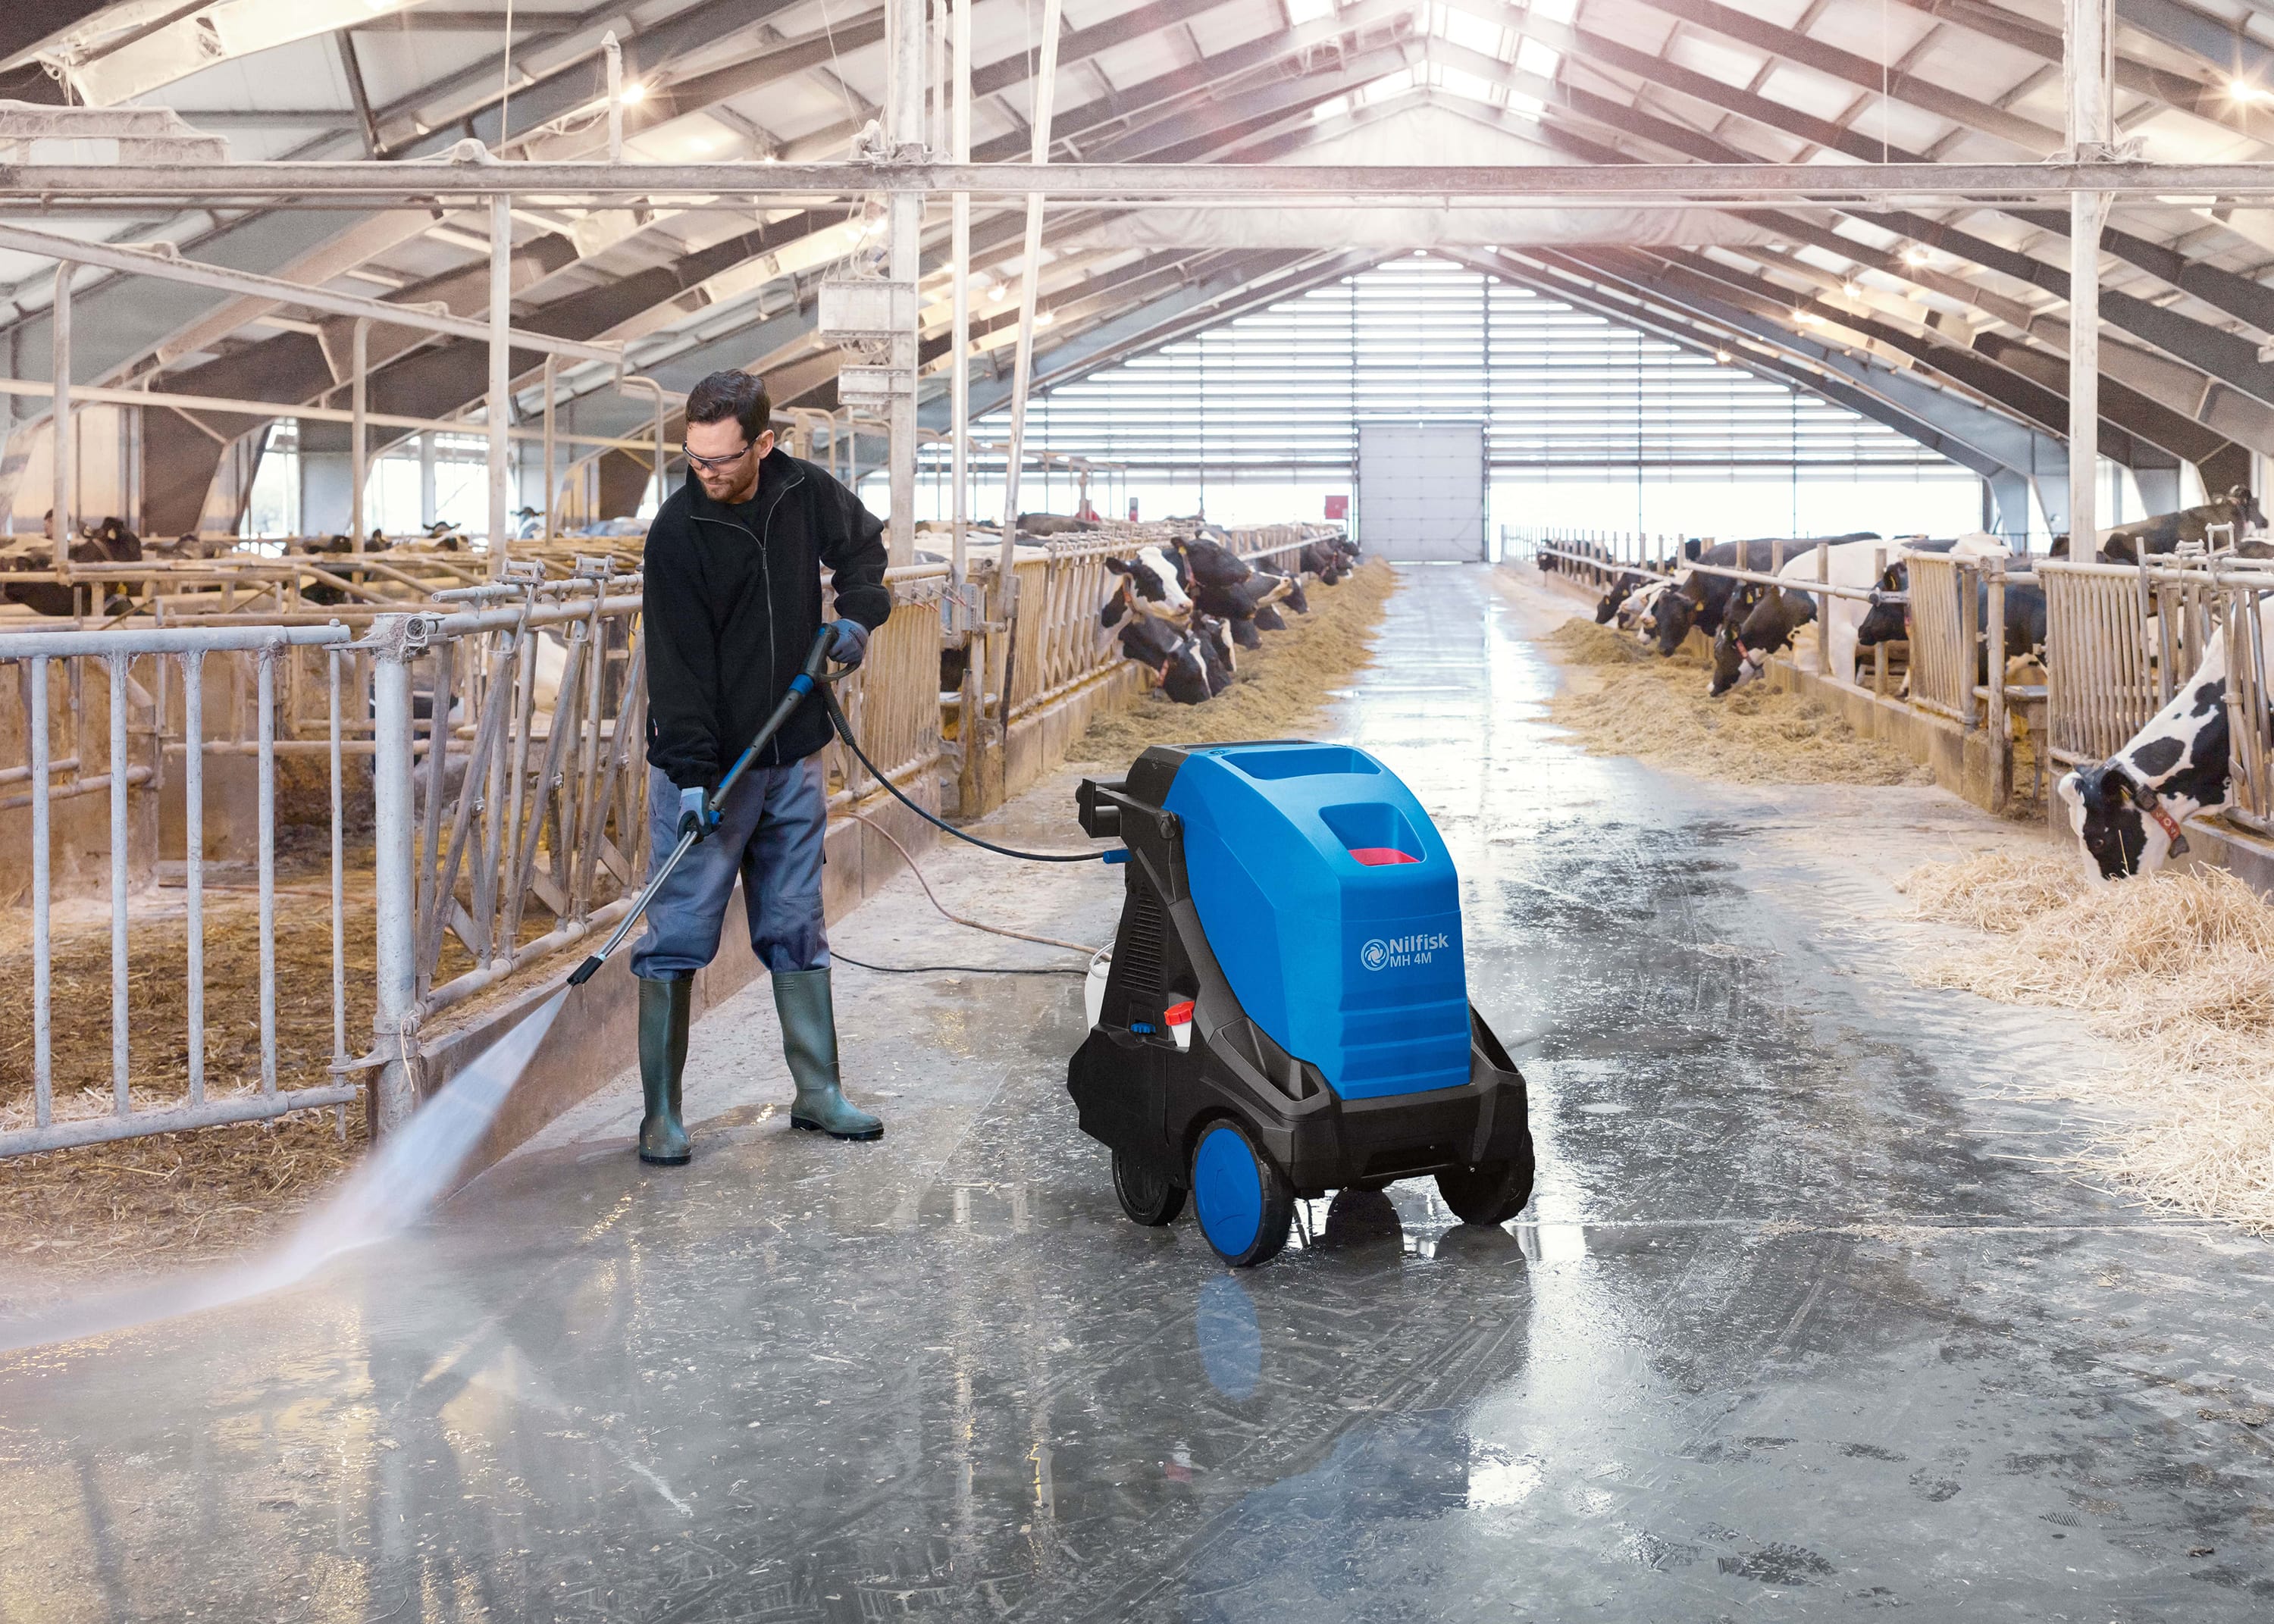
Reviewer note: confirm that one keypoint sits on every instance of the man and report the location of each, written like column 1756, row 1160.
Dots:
column 730, row 609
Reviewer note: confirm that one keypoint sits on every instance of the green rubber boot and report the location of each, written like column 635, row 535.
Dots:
column 809, row 1022
column 663, row 1008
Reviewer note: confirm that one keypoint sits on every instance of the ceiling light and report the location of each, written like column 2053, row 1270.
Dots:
column 998, row 291
column 1043, row 318
column 1852, row 288
column 1806, row 318
column 1917, row 255
column 2239, row 89
column 1723, row 357
column 632, row 94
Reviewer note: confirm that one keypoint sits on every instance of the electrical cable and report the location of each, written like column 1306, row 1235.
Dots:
column 957, row 969
column 999, row 930
column 844, row 732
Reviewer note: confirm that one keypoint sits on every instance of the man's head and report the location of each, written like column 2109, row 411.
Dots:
column 729, row 433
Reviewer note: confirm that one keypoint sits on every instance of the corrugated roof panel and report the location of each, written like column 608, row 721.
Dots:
column 1817, row 95
column 1867, row 29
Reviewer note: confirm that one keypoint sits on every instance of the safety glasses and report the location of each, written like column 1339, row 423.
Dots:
column 715, row 462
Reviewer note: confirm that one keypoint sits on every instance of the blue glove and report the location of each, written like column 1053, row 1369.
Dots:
column 695, row 812
column 850, row 642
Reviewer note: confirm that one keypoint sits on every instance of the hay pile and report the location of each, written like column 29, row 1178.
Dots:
column 2177, row 971
column 1634, row 703
column 1281, row 689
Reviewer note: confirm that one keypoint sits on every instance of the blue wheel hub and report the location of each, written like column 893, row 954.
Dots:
column 1227, row 1189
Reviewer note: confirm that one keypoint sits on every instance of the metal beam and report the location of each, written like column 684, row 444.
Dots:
column 309, row 185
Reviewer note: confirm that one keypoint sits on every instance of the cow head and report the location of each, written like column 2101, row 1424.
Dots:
column 1216, row 649
column 1156, row 582
column 1885, row 620
column 2243, row 504
column 1675, row 613
column 2116, row 830
column 1618, row 592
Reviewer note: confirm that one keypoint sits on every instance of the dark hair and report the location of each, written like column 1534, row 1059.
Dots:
column 732, row 393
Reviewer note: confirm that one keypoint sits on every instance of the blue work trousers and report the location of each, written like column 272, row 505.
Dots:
column 770, row 832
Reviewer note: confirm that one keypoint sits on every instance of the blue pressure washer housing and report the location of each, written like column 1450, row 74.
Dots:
column 1299, row 900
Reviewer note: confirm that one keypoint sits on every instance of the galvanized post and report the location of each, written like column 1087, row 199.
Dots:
column 2000, row 772
column 115, row 665
column 1880, row 649
column 394, row 1020
column 65, row 474
column 193, row 858
column 1969, row 638
column 501, row 396
column 1823, row 614
column 549, row 476
column 361, row 366
column 43, row 969
column 2085, row 70
column 959, row 258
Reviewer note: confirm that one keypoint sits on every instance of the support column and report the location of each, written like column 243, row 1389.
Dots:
column 959, row 265
column 905, row 222
column 359, row 467
column 59, row 526
column 427, row 497
column 500, row 391
column 394, row 1018
column 2085, row 76
column 1046, row 79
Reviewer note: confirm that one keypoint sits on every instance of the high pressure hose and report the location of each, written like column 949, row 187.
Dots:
column 844, row 732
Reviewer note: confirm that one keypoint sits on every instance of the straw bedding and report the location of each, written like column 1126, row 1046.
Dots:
column 1633, row 701
column 2177, row 971
column 174, row 1197
column 1282, row 689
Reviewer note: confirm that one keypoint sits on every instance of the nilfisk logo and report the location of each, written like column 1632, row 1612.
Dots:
column 1395, row 952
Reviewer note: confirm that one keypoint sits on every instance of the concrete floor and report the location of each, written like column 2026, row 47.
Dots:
column 1794, row 1327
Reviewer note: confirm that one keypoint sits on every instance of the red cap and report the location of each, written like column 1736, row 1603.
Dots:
column 1179, row 1014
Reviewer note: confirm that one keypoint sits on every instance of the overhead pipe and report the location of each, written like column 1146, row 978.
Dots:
column 959, row 260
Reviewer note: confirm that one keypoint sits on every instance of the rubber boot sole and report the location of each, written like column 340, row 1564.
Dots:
column 667, row 1161
column 876, row 1132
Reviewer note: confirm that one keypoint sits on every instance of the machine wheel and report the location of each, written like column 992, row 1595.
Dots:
column 1493, row 1193
column 1242, row 1199
column 1150, row 1198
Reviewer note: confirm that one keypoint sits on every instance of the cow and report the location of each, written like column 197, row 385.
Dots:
column 2126, row 543
column 111, row 542
column 1172, row 655
column 1292, row 596
column 1215, row 643
column 1626, row 586
column 1701, row 600
column 1324, row 559
column 1041, row 524
column 1153, row 586
column 2128, row 810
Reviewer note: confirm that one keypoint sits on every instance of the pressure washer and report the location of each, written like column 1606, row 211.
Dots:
column 1285, row 1009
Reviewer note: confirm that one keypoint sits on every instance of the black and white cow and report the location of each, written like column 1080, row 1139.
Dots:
column 1762, row 620
column 111, row 542
column 2126, row 543
column 1173, row 655
column 2128, row 810
column 1626, row 586
column 1151, row 584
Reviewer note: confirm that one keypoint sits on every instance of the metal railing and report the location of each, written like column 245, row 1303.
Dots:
column 181, row 651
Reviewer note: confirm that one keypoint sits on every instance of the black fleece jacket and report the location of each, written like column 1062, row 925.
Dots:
column 731, row 605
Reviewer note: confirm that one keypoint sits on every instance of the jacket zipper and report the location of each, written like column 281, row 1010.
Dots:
column 765, row 574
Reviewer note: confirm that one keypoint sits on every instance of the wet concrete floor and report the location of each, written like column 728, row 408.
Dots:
column 1797, row 1325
